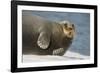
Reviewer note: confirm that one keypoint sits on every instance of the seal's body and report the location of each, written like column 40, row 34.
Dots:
column 44, row 37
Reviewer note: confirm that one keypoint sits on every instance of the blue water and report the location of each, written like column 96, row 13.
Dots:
column 81, row 42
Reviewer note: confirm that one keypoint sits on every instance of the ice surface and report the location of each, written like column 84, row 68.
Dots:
column 68, row 56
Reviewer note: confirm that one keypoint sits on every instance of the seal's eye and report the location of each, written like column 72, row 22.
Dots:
column 65, row 25
column 72, row 25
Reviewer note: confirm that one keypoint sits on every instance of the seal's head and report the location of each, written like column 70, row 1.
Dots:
column 68, row 29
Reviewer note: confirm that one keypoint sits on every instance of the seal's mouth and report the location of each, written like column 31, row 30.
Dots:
column 70, row 33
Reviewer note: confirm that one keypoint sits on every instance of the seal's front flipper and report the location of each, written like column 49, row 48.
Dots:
column 58, row 51
column 43, row 40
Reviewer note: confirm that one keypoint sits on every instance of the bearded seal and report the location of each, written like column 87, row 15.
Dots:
column 44, row 37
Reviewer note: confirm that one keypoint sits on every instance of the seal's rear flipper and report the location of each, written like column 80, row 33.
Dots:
column 43, row 40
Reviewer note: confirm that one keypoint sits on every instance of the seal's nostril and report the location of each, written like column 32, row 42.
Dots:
column 70, row 28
